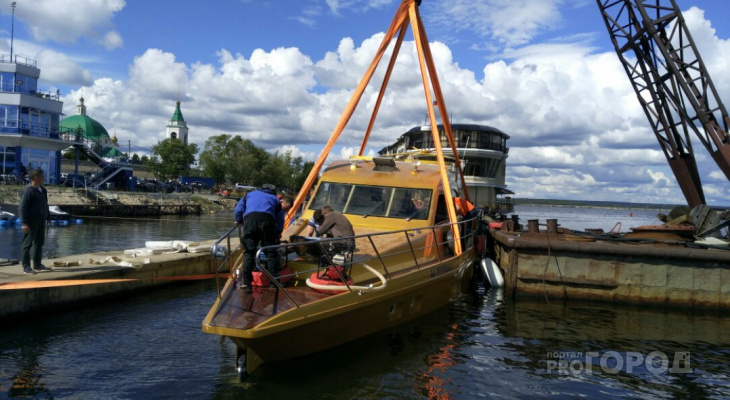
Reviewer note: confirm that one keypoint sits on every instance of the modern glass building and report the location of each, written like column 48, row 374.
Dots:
column 29, row 121
column 483, row 151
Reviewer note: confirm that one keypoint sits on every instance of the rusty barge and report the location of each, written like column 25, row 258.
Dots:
column 651, row 268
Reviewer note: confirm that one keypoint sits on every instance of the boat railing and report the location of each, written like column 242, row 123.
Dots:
column 417, row 255
column 225, row 252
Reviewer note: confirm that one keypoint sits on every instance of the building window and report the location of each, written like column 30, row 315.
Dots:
column 173, row 135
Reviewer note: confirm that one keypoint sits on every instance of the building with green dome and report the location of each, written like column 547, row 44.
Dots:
column 81, row 127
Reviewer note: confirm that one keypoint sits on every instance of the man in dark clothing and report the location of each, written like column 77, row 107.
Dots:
column 337, row 225
column 34, row 217
column 259, row 212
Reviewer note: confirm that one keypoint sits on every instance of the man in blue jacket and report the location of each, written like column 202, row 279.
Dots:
column 34, row 217
column 259, row 212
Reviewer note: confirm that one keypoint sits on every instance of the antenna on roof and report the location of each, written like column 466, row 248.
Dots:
column 12, row 31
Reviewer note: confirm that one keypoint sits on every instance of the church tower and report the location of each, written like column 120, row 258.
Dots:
column 177, row 128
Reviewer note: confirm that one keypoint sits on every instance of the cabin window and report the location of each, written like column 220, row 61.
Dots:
column 333, row 194
column 369, row 200
column 376, row 201
column 410, row 203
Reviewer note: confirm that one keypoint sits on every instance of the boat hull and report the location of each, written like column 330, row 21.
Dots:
column 345, row 317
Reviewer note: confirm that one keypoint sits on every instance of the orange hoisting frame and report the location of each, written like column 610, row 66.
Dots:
column 406, row 14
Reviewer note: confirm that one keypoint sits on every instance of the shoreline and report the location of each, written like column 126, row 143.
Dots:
column 62, row 196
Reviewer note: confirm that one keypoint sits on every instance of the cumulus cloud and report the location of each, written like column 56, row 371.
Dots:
column 65, row 21
column 508, row 22
column 576, row 128
column 59, row 68
column 335, row 6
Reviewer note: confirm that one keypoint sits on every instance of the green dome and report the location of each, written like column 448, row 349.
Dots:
column 91, row 129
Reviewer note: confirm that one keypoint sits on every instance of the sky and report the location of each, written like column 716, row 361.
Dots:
column 280, row 73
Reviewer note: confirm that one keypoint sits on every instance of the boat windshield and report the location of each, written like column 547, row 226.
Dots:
column 376, row 201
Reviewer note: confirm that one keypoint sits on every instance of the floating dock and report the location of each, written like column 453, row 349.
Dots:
column 86, row 276
column 565, row 266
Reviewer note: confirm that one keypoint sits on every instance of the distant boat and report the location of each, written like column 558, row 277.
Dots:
column 7, row 218
column 62, row 218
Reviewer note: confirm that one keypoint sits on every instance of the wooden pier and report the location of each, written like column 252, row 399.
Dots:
column 83, row 277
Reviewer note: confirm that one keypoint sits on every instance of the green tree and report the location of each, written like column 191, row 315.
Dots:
column 144, row 160
column 135, row 158
column 172, row 158
column 70, row 154
column 233, row 159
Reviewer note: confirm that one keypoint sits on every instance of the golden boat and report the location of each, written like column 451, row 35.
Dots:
column 410, row 254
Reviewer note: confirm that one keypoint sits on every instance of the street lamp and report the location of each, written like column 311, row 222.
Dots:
column 12, row 31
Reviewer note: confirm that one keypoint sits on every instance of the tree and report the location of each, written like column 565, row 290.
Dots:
column 135, row 158
column 172, row 158
column 232, row 159
column 70, row 154
column 144, row 160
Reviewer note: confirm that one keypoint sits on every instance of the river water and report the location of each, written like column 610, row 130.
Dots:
column 150, row 345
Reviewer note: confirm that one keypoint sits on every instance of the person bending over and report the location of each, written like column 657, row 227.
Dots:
column 259, row 212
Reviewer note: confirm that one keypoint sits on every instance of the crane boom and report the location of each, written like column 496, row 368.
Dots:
column 672, row 84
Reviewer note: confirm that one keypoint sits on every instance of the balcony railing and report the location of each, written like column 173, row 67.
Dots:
column 5, row 58
column 16, row 88
column 30, row 128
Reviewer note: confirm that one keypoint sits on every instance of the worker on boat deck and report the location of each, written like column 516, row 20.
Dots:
column 463, row 206
column 314, row 224
column 465, row 210
column 286, row 203
column 337, row 225
column 259, row 212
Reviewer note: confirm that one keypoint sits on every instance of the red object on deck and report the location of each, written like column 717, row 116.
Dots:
column 495, row 225
column 330, row 277
column 261, row 279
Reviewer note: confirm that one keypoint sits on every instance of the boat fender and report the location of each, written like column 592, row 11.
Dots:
column 491, row 270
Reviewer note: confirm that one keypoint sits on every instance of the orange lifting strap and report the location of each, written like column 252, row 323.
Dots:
column 406, row 14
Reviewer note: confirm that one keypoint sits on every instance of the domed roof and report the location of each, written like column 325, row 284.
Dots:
column 91, row 128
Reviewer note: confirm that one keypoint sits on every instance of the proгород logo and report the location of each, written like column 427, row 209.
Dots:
column 613, row 362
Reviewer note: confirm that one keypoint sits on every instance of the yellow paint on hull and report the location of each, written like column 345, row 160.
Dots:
column 345, row 317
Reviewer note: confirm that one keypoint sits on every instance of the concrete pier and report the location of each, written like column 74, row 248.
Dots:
column 66, row 285
column 556, row 266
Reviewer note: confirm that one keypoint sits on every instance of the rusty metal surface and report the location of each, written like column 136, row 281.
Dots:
column 538, row 264
column 672, row 84
column 539, row 242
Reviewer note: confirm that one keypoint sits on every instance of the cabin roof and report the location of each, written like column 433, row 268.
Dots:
column 425, row 176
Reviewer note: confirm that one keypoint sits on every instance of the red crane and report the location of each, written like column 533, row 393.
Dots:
column 672, row 84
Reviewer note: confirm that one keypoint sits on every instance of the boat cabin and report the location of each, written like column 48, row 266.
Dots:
column 379, row 194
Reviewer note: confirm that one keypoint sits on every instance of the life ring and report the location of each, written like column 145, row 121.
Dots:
column 419, row 204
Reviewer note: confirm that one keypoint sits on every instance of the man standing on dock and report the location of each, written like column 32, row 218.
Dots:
column 258, row 211
column 34, row 217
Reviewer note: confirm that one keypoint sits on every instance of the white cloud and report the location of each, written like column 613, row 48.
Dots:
column 65, row 21
column 576, row 128
column 509, row 22
column 335, row 6
column 59, row 68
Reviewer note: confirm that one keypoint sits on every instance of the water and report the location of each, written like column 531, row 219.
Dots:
column 481, row 346
column 103, row 234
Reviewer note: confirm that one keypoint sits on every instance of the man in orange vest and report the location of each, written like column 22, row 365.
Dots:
column 463, row 206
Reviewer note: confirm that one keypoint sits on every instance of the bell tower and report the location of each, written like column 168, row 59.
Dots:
column 177, row 128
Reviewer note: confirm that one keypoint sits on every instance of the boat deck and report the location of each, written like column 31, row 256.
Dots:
column 241, row 310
